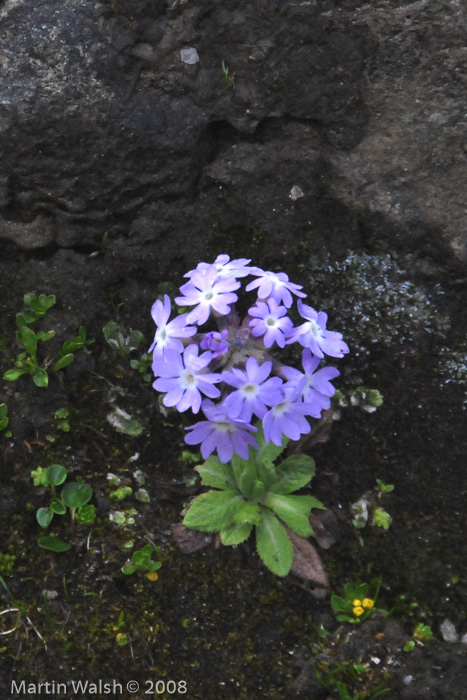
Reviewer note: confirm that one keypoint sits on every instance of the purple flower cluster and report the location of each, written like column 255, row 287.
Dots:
column 233, row 364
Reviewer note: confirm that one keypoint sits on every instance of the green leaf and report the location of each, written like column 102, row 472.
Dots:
column 249, row 514
column 23, row 318
column 235, row 534
column 213, row 511
column 56, row 474
column 11, row 375
column 268, row 451
column 341, row 605
column 62, row 362
column 274, row 545
column 57, row 506
column 154, row 565
column 217, row 475
column 293, row 473
column 29, row 340
column 44, row 517
column 356, row 590
column 44, row 336
column 75, row 495
column 266, row 472
column 39, row 376
column 54, row 544
column 293, row 510
column 128, row 569
column 245, row 474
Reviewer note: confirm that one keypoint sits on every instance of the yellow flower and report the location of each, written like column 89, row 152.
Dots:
column 368, row 603
column 357, row 603
column 358, row 610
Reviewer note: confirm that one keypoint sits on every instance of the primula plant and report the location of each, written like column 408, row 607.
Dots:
column 252, row 403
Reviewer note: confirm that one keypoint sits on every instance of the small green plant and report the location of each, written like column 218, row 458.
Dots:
column 62, row 415
column 381, row 518
column 28, row 360
column 123, row 341
column 229, row 80
column 141, row 560
column 4, row 420
column 75, row 497
column 344, row 677
column 384, row 488
column 143, row 366
column 105, row 239
column 121, row 493
column 423, row 633
column 255, row 494
column 7, row 563
column 368, row 505
column 126, row 342
column 357, row 604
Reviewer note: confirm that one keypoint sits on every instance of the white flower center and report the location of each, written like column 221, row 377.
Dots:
column 161, row 334
column 208, row 296
column 187, row 379
column 315, row 329
column 270, row 321
column 281, row 408
column 223, row 427
column 249, row 390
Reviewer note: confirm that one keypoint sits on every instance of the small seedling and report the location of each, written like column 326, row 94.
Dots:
column 28, row 361
column 384, row 488
column 229, row 80
column 75, row 497
column 141, row 560
column 4, row 420
column 62, row 415
column 381, row 518
column 423, row 633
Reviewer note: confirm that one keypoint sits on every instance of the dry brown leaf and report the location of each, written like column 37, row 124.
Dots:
column 190, row 541
column 306, row 561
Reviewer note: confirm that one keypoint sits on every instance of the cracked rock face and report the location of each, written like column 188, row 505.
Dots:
column 359, row 107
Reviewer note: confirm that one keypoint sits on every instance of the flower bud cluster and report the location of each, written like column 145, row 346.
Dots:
column 233, row 364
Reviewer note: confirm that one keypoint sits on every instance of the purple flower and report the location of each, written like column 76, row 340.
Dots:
column 207, row 291
column 168, row 333
column 183, row 378
column 270, row 321
column 313, row 334
column 216, row 342
column 275, row 285
column 254, row 391
column 226, row 267
column 316, row 388
column 288, row 417
column 221, row 433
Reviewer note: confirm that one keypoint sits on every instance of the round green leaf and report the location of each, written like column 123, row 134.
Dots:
column 57, row 506
column 39, row 376
column 44, row 517
column 56, row 474
column 75, row 495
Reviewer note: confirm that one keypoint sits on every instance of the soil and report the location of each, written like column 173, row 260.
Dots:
column 216, row 619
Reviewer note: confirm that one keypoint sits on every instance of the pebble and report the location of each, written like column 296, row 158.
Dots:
column 189, row 55
column 448, row 631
